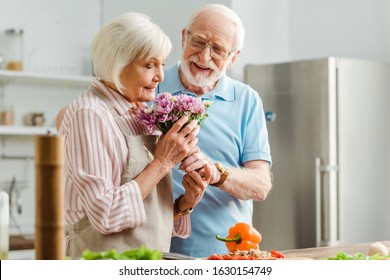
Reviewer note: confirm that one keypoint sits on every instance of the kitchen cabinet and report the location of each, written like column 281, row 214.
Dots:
column 29, row 93
column 35, row 80
column 7, row 76
column 26, row 130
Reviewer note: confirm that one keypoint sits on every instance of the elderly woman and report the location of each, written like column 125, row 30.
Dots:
column 118, row 183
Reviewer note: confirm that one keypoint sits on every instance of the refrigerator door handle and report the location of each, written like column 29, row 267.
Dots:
column 318, row 202
column 333, row 230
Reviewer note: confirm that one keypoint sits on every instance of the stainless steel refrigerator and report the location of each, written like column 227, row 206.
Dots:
column 328, row 123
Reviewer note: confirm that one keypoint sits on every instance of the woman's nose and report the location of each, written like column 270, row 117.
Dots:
column 159, row 74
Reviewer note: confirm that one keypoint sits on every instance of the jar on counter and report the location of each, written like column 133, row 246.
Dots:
column 14, row 49
column 7, row 115
column 35, row 119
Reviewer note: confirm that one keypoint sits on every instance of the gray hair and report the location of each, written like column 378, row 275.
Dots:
column 127, row 38
column 228, row 13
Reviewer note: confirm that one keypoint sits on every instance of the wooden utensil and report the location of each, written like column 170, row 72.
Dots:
column 49, row 209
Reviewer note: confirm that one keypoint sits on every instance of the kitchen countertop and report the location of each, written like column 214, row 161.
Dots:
column 25, row 242
column 325, row 252
column 21, row 242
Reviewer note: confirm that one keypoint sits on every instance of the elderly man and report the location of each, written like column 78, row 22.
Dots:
column 234, row 137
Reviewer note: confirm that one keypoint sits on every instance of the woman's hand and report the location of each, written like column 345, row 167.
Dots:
column 177, row 143
column 196, row 160
column 171, row 148
column 195, row 184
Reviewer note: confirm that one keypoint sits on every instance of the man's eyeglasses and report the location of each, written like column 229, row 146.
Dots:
column 199, row 44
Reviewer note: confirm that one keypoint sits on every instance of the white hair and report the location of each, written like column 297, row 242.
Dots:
column 127, row 38
column 228, row 13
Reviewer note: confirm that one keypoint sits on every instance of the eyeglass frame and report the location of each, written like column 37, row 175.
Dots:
column 212, row 53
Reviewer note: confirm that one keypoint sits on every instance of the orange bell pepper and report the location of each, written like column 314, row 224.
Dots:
column 242, row 237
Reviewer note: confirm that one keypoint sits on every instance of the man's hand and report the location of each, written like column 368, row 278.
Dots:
column 196, row 161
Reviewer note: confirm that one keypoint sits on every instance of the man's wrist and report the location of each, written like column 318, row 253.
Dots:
column 223, row 175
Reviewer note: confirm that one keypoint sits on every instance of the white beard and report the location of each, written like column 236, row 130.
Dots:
column 199, row 80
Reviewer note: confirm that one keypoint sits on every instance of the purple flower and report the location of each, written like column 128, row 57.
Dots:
column 191, row 104
column 148, row 118
column 163, row 103
column 167, row 109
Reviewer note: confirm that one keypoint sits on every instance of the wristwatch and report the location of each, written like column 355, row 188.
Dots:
column 224, row 174
column 177, row 210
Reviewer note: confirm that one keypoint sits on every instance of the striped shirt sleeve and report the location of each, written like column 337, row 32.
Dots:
column 182, row 227
column 94, row 159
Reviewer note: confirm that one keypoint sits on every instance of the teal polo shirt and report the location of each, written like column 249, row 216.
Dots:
column 234, row 132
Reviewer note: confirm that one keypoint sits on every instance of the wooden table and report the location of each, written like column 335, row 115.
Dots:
column 325, row 252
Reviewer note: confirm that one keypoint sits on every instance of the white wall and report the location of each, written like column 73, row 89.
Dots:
column 388, row 29
column 351, row 28
column 57, row 33
column 267, row 38
column 387, row 9
column 283, row 30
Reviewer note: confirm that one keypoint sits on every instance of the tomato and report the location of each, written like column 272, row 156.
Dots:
column 277, row 254
column 215, row 257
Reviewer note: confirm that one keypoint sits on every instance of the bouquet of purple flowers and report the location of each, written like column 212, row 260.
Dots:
column 167, row 109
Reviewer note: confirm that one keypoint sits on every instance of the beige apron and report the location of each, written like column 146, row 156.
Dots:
column 156, row 232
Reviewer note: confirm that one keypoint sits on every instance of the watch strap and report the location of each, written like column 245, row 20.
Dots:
column 224, row 175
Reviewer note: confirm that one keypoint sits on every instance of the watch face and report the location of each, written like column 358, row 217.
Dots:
column 224, row 174
column 220, row 168
column 223, row 170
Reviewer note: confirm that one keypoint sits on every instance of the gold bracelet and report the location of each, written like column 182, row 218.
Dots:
column 177, row 210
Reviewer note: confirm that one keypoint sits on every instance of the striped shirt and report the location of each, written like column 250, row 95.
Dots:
column 95, row 157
